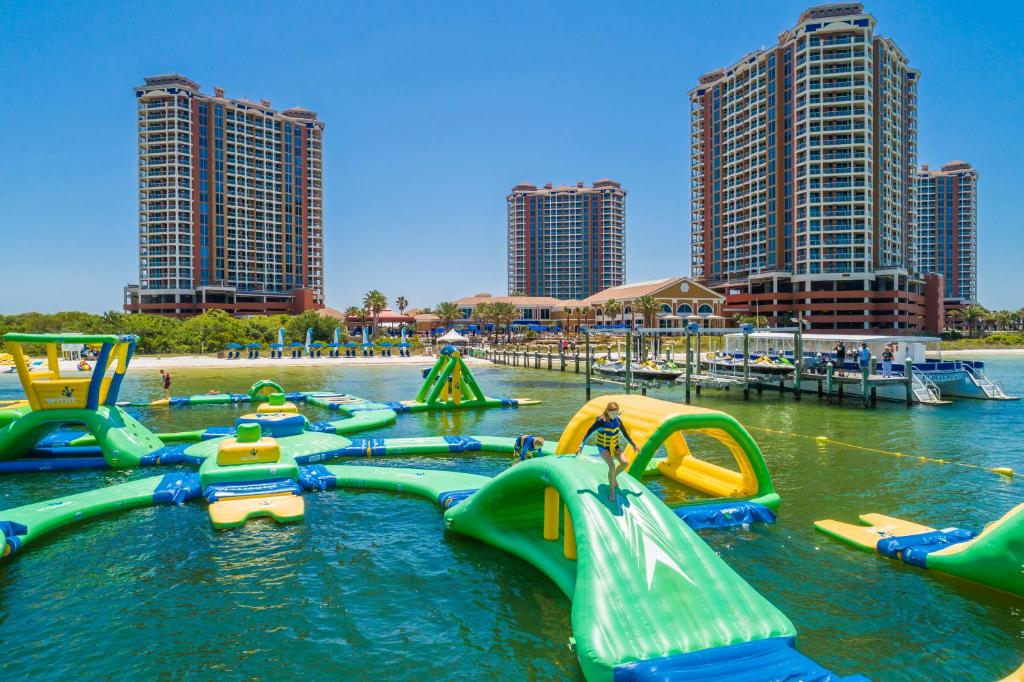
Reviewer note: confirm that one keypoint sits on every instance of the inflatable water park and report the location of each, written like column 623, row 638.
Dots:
column 650, row 599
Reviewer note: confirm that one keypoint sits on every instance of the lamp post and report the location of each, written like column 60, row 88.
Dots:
column 690, row 328
column 798, row 351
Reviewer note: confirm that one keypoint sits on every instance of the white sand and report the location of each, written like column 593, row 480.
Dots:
column 172, row 362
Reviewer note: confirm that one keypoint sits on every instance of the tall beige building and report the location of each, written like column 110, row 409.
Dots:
column 947, row 228
column 802, row 162
column 230, row 203
column 567, row 242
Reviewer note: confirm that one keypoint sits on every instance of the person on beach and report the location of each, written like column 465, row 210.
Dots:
column 887, row 356
column 840, row 351
column 165, row 378
column 527, row 447
column 611, row 438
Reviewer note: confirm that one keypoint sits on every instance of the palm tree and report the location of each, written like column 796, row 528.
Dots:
column 401, row 303
column 374, row 302
column 353, row 311
column 447, row 312
column 648, row 307
column 954, row 317
column 482, row 313
column 568, row 310
column 611, row 309
column 504, row 313
column 972, row 314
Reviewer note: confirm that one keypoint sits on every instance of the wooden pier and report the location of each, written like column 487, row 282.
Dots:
column 831, row 386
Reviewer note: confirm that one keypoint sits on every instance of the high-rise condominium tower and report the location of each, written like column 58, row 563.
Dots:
column 803, row 158
column 566, row 242
column 947, row 228
column 230, row 203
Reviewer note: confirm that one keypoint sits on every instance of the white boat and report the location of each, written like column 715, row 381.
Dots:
column 933, row 380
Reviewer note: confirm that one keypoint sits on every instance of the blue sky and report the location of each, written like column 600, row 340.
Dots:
column 434, row 111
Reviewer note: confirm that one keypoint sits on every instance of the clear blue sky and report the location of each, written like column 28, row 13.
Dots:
column 434, row 111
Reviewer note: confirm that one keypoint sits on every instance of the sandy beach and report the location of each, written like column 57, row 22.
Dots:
column 172, row 362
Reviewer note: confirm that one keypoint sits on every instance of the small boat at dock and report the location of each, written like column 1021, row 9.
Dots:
column 647, row 371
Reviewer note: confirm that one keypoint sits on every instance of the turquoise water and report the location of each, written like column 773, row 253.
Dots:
column 370, row 587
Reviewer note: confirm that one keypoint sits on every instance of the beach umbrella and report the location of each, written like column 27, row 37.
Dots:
column 385, row 344
column 280, row 338
column 295, row 344
column 233, row 346
column 254, row 345
column 316, row 344
column 350, row 344
column 404, row 344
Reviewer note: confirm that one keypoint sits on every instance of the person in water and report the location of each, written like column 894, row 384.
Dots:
column 610, row 436
column 527, row 447
column 165, row 378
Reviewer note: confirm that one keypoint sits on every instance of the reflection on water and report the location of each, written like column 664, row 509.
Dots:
column 370, row 585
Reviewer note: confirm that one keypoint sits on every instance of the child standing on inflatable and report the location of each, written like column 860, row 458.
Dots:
column 610, row 432
column 527, row 447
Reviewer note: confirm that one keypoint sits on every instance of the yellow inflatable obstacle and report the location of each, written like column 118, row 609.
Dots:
column 654, row 423
column 249, row 478
column 994, row 557
column 276, row 403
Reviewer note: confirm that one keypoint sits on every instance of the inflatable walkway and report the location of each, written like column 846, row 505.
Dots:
column 994, row 558
column 732, row 496
column 650, row 601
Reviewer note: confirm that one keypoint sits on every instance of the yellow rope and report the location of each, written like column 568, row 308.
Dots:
column 1002, row 471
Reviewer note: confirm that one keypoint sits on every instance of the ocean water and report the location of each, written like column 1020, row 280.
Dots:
column 370, row 586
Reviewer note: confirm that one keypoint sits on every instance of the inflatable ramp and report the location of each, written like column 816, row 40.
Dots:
column 995, row 557
column 650, row 600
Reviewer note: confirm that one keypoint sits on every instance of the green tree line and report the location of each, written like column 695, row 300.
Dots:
column 158, row 335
